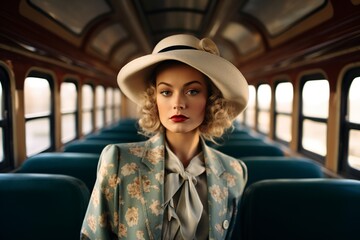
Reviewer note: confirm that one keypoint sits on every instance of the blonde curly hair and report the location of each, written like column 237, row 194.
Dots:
column 218, row 113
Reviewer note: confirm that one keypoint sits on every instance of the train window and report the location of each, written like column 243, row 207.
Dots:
column 100, row 106
column 244, row 40
column 263, row 108
column 117, row 104
column 74, row 17
column 314, row 114
column 87, row 100
column 284, row 94
column 2, row 146
column 354, row 118
column 109, row 105
column 2, row 158
column 287, row 12
column 38, row 114
column 6, row 137
column 350, row 132
column 354, row 101
column 250, row 110
column 69, row 111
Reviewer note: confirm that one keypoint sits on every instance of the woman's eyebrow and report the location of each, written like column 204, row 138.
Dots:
column 192, row 82
column 164, row 83
column 186, row 84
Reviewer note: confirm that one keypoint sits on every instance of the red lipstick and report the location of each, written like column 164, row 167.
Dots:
column 179, row 118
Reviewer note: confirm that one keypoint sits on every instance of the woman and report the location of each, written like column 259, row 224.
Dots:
column 173, row 186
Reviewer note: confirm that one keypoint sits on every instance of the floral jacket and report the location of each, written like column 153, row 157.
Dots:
column 127, row 199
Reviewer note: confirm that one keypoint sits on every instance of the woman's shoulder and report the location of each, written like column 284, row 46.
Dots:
column 230, row 163
column 116, row 150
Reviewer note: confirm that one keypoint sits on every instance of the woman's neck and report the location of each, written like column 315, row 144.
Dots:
column 184, row 145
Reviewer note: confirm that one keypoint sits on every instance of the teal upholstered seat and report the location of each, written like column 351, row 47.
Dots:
column 326, row 209
column 240, row 149
column 41, row 206
column 87, row 146
column 79, row 165
column 261, row 168
column 116, row 137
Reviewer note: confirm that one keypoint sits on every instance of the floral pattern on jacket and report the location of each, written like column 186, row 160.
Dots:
column 126, row 202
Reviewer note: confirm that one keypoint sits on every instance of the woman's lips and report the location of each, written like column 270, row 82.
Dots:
column 179, row 118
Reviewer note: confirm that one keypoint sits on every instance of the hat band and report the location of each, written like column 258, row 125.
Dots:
column 179, row 47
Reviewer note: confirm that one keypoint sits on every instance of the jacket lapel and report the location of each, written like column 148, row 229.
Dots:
column 152, row 179
column 219, row 216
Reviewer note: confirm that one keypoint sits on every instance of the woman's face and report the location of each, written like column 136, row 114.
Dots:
column 181, row 96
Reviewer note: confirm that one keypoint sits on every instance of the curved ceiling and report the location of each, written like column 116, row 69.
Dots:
column 112, row 32
column 116, row 28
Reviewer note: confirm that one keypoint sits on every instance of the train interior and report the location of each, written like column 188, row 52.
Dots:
column 299, row 136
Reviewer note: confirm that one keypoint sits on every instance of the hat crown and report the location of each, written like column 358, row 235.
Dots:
column 185, row 41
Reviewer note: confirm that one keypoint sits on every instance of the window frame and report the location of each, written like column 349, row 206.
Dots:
column 302, row 118
column 343, row 167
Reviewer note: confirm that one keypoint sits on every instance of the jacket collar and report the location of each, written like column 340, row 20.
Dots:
column 156, row 144
column 212, row 161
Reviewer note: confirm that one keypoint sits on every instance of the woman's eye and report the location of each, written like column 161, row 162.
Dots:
column 192, row 92
column 165, row 93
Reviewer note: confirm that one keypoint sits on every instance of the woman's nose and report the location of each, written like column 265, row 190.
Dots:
column 179, row 102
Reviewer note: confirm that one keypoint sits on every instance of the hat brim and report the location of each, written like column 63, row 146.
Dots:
column 132, row 78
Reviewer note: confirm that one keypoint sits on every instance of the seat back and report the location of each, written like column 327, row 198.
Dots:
column 79, row 165
column 87, row 146
column 301, row 209
column 238, row 149
column 261, row 168
column 41, row 206
column 116, row 137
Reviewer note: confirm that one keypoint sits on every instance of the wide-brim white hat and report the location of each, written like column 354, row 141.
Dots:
column 202, row 55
